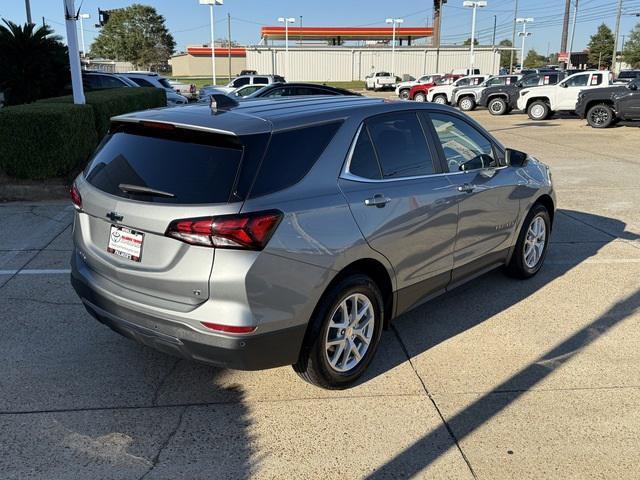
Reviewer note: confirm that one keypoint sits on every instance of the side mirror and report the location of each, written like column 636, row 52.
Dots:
column 632, row 86
column 564, row 85
column 516, row 158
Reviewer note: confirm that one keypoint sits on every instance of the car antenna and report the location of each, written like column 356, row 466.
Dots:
column 220, row 101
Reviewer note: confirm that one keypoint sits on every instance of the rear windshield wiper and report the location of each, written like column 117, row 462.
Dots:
column 127, row 188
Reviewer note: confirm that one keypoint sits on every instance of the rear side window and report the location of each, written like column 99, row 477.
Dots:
column 261, row 80
column 290, row 156
column 364, row 163
column 401, row 145
column 142, row 82
column 192, row 172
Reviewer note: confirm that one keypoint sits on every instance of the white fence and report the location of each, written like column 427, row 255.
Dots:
column 348, row 64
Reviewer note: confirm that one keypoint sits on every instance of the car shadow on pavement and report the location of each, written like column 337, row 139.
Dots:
column 468, row 306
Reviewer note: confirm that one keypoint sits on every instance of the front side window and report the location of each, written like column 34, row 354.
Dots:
column 400, row 145
column 463, row 82
column 494, row 81
column 111, row 82
column 577, row 81
column 464, row 147
column 239, row 82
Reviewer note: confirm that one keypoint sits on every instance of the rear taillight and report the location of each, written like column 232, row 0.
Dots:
column 76, row 199
column 250, row 231
column 228, row 328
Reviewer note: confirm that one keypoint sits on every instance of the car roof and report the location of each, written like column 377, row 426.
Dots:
column 264, row 115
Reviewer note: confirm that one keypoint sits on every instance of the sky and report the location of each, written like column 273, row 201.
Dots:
column 189, row 22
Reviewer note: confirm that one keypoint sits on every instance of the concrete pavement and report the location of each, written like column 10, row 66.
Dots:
column 498, row 379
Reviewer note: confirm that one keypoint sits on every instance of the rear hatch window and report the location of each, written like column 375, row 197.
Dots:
column 171, row 166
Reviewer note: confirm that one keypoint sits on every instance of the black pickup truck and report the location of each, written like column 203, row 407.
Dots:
column 502, row 99
column 604, row 106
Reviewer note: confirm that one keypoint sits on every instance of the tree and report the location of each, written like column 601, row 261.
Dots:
column 34, row 63
column 505, row 55
column 601, row 47
column 534, row 60
column 468, row 41
column 631, row 53
column 136, row 34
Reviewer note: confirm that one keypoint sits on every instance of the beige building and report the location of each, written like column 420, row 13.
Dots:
column 196, row 62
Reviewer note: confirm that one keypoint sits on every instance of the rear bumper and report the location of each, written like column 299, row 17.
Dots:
column 242, row 352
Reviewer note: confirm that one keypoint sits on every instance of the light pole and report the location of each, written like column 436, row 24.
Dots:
column 394, row 22
column 524, row 34
column 74, row 55
column 286, row 21
column 474, row 5
column 81, row 17
column 211, row 4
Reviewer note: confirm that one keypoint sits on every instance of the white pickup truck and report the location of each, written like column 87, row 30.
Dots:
column 443, row 93
column 379, row 81
column 541, row 102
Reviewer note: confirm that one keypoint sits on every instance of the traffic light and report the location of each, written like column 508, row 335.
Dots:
column 103, row 17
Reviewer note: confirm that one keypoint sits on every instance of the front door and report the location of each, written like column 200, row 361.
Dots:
column 402, row 203
column 629, row 101
column 485, row 190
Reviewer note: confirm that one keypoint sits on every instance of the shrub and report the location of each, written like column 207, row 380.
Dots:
column 117, row 101
column 45, row 140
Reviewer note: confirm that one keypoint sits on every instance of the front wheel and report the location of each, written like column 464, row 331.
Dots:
column 467, row 104
column 531, row 247
column 497, row 106
column 441, row 99
column 420, row 97
column 600, row 116
column 404, row 94
column 538, row 110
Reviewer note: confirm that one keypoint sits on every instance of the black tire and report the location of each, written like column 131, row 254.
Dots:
column 600, row 116
column 404, row 94
column 441, row 99
column 420, row 97
column 497, row 106
column 467, row 104
column 517, row 266
column 313, row 365
column 538, row 110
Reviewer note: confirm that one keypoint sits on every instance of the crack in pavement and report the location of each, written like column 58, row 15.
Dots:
column 156, row 393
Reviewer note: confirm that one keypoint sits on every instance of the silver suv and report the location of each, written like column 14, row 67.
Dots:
column 292, row 231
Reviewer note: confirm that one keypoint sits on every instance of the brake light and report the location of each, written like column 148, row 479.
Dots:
column 76, row 199
column 159, row 125
column 250, row 231
column 228, row 328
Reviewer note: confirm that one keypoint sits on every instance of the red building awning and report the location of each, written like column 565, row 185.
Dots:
column 345, row 33
column 220, row 51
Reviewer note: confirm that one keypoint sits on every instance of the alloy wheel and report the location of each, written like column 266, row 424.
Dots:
column 350, row 332
column 440, row 99
column 496, row 107
column 599, row 115
column 535, row 242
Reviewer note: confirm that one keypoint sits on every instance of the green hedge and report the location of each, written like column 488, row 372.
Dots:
column 116, row 101
column 45, row 140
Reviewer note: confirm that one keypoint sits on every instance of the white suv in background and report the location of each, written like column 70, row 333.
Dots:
column 151, row 79
column 443, row 93
column 402, row 88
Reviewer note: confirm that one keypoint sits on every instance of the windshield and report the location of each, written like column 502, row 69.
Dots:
column 629, row 74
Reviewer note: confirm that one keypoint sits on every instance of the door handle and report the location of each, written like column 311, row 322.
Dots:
column 466, row 188
column 378, row 200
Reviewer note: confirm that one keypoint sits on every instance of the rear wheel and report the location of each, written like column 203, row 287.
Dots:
column 404, row 94
column 345, row 333
column 466, row 104
column 441, row 99
column 538, row 110
column 420, row 97
column 600, row 116
column 497, row 106
column 531, row 247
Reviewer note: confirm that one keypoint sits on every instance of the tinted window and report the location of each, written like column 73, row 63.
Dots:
column 261, row 80
column 311, row 91
column 193, row 172
column 142, row 82
column 465, row 148
column 629, row 74
column 111, row 82
column 276, row 92
column 495, row 81
column 238, row 82
column 363, row 159
column 578, row 81
column 462, row 82
column 290, row 156
column 401, row 146
column 596, row 79
column 91, row 82
column 530, row 80
column 165, row 83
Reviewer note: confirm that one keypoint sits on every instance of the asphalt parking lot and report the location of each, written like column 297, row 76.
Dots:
column 498, row 379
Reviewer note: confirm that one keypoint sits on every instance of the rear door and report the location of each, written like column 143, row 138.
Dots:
column 485, row 190
column 401, row 202
column 139, row 181
column 568, row 96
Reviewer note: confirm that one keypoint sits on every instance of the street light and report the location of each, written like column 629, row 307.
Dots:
column 394, row 22
column 474, row 5
column 83, row 16
column 286, row 21
column 524, row 34
column 211, row 4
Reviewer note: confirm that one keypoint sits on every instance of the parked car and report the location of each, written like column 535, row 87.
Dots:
column 292, row 231
column 243, row 80
column 604, row 106
column 296, row 89
column 403, row 88
column 379, row 81
column 541, row 102
column 465, row 98
column 241, row 92
column 419, row 92
column 501, row 99
column 443, row 93
column 625, row 76
column 152, row 79
column 187, row 90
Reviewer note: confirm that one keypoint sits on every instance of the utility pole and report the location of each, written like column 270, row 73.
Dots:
column 300, row 36
column 565, row 31
column 27, row 6
column 513, row 36
column 495, row 19
column 573, row 33
column 437, row 20
column 229, row 43
column 615, row 37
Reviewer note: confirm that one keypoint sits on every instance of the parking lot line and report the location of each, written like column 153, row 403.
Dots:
column 51, row 271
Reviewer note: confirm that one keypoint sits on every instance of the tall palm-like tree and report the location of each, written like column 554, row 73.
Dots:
column 33, row 63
